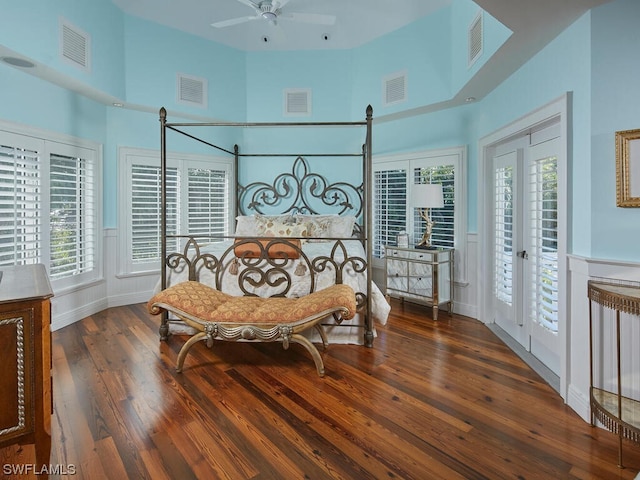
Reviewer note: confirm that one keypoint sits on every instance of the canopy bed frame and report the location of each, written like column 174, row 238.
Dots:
column 274, row 264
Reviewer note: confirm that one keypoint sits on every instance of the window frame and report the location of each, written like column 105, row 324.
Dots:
column 48, row 144
column 455, row 156
column 127, row 157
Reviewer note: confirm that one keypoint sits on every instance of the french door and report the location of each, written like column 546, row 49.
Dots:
column 525, row 239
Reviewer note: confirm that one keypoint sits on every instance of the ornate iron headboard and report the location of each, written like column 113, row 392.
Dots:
column 301, row 191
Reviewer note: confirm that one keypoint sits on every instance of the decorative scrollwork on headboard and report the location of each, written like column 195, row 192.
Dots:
column 300, row 191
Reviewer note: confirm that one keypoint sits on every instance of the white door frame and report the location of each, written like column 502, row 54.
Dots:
column 556, row 110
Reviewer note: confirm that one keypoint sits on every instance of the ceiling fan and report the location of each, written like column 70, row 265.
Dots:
column 271, row 11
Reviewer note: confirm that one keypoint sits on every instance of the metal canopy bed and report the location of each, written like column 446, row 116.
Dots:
column 300, row 233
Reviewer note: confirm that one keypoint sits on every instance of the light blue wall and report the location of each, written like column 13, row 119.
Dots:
column 422, row 50
column 327, row 73
column 615, row 104
column 155, row 55
column 463, row 13
column 563, row 66
column 31, row 28
column 29, row 101
column 594, row 59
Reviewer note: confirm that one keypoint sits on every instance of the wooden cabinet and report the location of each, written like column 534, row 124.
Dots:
column 423, row 275
column 608, row 402
column 25, row 353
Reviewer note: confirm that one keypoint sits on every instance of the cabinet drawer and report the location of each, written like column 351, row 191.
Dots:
column 397, row 268
column 397, row 283
column 417, row 269
column 421, row 286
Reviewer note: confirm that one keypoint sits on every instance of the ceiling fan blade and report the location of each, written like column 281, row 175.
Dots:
column 316, row 18
column 280, row 3
column 251, row 4
column 234, row 21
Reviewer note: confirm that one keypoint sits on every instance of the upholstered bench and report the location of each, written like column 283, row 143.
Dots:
column 219, row 316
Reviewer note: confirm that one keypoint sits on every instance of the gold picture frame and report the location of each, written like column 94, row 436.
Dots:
column 628, row 168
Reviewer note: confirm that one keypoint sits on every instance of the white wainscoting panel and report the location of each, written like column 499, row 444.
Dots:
column 581, row 270
column 125, row 290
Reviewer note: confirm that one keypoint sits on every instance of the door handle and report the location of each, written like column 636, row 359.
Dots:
column 523, row 254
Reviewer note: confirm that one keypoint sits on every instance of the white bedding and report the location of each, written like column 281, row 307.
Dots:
column 348, row 332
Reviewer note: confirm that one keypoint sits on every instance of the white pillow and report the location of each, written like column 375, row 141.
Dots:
column 342, row 227
column 246, row 225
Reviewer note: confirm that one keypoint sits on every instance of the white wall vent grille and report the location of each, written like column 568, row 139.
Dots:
column 297, row 102
column 192, row 90
column 394, row 89
column 75, row 45
column 475, row 39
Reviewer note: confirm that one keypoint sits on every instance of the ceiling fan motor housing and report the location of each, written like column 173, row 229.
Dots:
column 268, row 11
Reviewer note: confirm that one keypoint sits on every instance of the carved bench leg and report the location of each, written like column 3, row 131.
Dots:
column 311, row 348
column 320, row 329
column 185, row 349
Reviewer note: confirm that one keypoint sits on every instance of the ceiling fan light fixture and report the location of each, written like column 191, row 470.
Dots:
column 269, row 16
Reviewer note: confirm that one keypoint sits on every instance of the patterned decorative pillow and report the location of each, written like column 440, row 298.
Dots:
column 282, row 226
column 330, row 226
column 320, row 225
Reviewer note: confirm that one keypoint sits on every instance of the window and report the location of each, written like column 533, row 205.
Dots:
column 49, row 207
column 208, row 194
column 443, row 234
column 72, row 208
column 389, row 206
column 393, row 178
column 198, row 202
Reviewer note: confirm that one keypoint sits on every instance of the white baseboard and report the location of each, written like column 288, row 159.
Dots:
column 465, row 309
column 579, row 402
column 72, row 316
column 129, row 299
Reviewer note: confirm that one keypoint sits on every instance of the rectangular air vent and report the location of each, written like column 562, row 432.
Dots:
column 475, row 39
column 74, row 45
column 297, row 102
column 191, row 90
column 394, row 89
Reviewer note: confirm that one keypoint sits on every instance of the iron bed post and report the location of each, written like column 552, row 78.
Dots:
column 236, row 169
column 368, row 221
column 164, row 325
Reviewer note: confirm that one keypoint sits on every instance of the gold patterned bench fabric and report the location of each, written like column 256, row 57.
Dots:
column 217, row 315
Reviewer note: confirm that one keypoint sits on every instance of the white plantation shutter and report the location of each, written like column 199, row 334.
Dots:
column 208, row 201
column 543, row 242
column 73, row 219
column 145, row 210
column 390, row 206
column 504, row 225
column 20, row 205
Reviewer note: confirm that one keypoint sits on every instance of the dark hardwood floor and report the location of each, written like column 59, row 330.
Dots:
column 431, row 400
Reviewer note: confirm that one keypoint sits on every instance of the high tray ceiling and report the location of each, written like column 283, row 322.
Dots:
column 534, row 24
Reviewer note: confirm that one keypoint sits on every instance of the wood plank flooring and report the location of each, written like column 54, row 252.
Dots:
column 431, row 400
